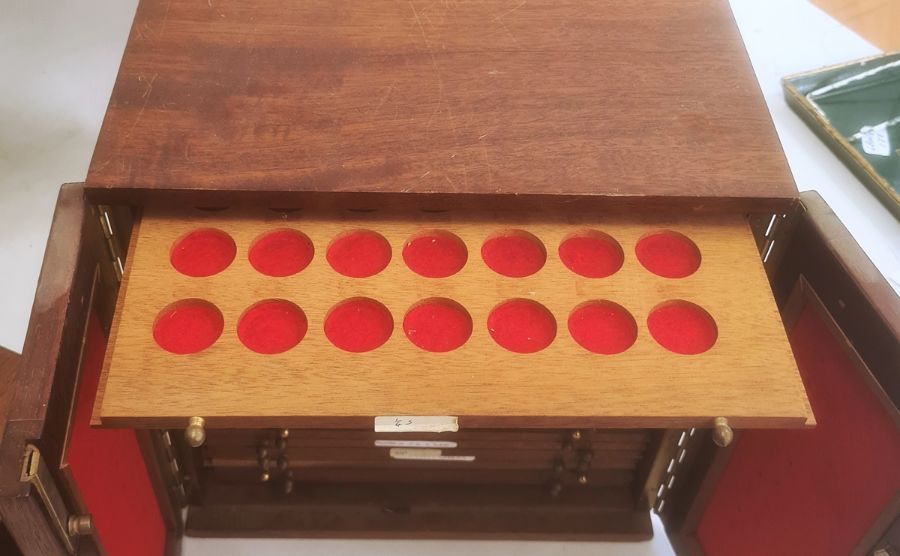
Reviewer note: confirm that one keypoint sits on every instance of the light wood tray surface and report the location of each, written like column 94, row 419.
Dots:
column 749, row 375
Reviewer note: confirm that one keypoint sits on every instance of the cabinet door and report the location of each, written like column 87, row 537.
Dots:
column 71, row 470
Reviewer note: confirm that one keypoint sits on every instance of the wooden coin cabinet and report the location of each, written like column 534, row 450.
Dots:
column 496, row 270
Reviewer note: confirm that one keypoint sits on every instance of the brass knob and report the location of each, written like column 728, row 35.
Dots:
column 722, row 433
column 582, row 479
column 284, row 433
column 576, row 435
column 81, row 525
column 195, row 433
column 264, row 476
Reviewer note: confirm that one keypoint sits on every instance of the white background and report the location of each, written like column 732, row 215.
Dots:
column 58, row 62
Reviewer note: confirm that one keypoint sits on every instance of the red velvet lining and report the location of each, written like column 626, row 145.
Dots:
column 514, row 253
column 109, row 470
column 438, row 325
column 435, row 254
column 814, row 491
column 591, row 254
column 203, row 252
column 668, row 254
column 358, row 325
column 682, row 327
column 188, row 326
column 522, row 326
column 281, row 253
column 272, row 326
column 603, row 327
column 359, row 253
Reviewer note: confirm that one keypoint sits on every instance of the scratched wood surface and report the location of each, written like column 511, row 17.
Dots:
column 625, row 103
column 8, row 360
column 749, row 375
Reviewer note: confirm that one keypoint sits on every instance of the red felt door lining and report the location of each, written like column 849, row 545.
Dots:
column 809, row 491
column 109, row 470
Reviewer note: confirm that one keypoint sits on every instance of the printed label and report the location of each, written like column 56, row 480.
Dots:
column 414, row 444
column 423, row 454
column 414, row 423
column 875, row 140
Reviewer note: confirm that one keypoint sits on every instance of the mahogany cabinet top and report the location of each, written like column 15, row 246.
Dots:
column 611, row 102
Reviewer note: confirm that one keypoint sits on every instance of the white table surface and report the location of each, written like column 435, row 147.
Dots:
column 58, row 62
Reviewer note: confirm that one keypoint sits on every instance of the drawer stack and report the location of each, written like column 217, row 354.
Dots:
column 492, row 483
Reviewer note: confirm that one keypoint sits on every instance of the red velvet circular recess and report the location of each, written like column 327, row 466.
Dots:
column 682, row 327
column 272, row 326
column 358, row 325
column 602, row 327
column 668, row 254
column 203, row 253
column 188, row 326
column 591, row 254
column 359, row 253
column 522, row 326
column 435, row 254
column 438, row 325
column 514, row 253
column 281, row 253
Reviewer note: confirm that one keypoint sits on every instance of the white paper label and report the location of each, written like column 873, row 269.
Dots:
column 875, row 140
column 423, row 454
column 414, row 423
column 414, row 444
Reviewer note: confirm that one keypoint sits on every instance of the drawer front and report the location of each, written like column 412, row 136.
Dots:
column 554, row 458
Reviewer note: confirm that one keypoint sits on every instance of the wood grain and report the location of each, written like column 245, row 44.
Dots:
column 483, row 511
column 748, row 376
column 269, row 102
column 45, row 376
column 8, row 361
column 876, row 21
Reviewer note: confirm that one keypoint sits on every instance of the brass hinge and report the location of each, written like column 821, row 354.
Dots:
column 35, row 471
column 679, row 446
column 769, row 235
column 112, row 240
column 177, row 477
